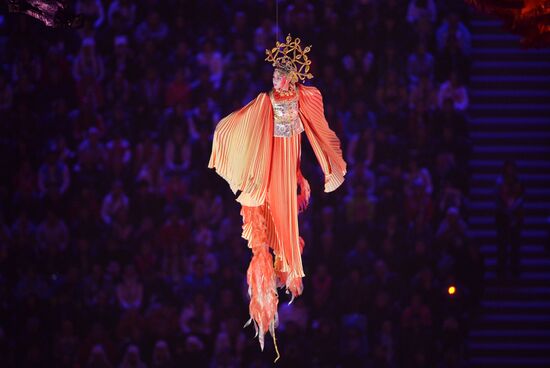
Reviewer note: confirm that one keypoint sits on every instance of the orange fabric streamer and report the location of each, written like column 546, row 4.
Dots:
column 266, row 169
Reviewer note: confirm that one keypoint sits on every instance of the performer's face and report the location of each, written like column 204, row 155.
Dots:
column 280, row 80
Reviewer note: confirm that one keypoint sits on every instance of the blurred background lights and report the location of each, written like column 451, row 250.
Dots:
column 451, row 290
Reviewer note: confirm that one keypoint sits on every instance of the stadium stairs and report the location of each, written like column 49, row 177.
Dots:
column 510, row 118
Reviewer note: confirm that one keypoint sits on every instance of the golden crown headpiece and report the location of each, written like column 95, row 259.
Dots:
column 290, row 57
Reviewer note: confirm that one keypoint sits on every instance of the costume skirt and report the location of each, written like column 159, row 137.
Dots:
column 277, row 218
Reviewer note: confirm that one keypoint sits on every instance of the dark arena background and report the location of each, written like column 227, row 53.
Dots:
column 120, row 248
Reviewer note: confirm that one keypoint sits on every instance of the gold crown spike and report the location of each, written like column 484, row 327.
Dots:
column 291, row 57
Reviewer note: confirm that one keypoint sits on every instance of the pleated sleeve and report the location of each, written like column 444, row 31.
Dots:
column 241, row 150
column 323, row 140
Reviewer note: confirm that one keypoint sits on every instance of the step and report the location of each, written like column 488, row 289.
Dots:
column 511, row 78
column 484, row 189
column 482, row 82
column 539, row 306
column 526, row 250
column 490, row 191
column 536, row 265
column 532, row 209
column 512, row 64
column 498, row 335
column 487, row 184
column 495, row 40
column 509, row 54
column 509, row 138
column 531, row 181
column 486, row 21
column 512, row 321
column 483, row 26
column 510, row 124
column 509, row 106
column 526, row 92
column 523, row 165
column 492, row 36
column 513, row 349
column 479, row 170
column 518, row 293
column 529, row 222
column 520, row 148
column 490, row 220
column 509, row 362
column 510, row 95
column 507, row 68
column 509, row 109
column 525, row 279
column 535, row 153
column 526, row 235
column 487, row 193
column 523, row 177
column 484, row 205
column 537, row 122
column 499, row 51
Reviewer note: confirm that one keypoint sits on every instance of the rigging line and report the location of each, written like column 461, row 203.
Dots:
column 276, row 21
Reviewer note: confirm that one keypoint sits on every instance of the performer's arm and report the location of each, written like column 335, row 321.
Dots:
column 323, row 140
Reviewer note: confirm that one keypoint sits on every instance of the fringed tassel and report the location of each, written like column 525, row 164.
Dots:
column 291, row 281
column 263, row 292
column 280, row 275
column 261, row 278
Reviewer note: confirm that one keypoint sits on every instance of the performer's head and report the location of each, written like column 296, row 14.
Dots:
column 282, row 79
column 290, row 61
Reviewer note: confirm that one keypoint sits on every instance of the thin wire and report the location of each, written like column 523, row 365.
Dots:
column 276, row 40
column 276, row 21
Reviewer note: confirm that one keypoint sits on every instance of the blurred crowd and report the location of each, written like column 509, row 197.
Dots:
column 119, row 248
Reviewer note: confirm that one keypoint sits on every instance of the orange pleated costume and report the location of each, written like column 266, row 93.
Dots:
column 266, row 169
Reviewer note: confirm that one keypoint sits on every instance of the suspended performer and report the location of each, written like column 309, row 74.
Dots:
column 53, row 13
column 257, row 150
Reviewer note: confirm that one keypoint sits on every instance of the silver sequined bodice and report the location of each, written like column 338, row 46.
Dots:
column 286, row 118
